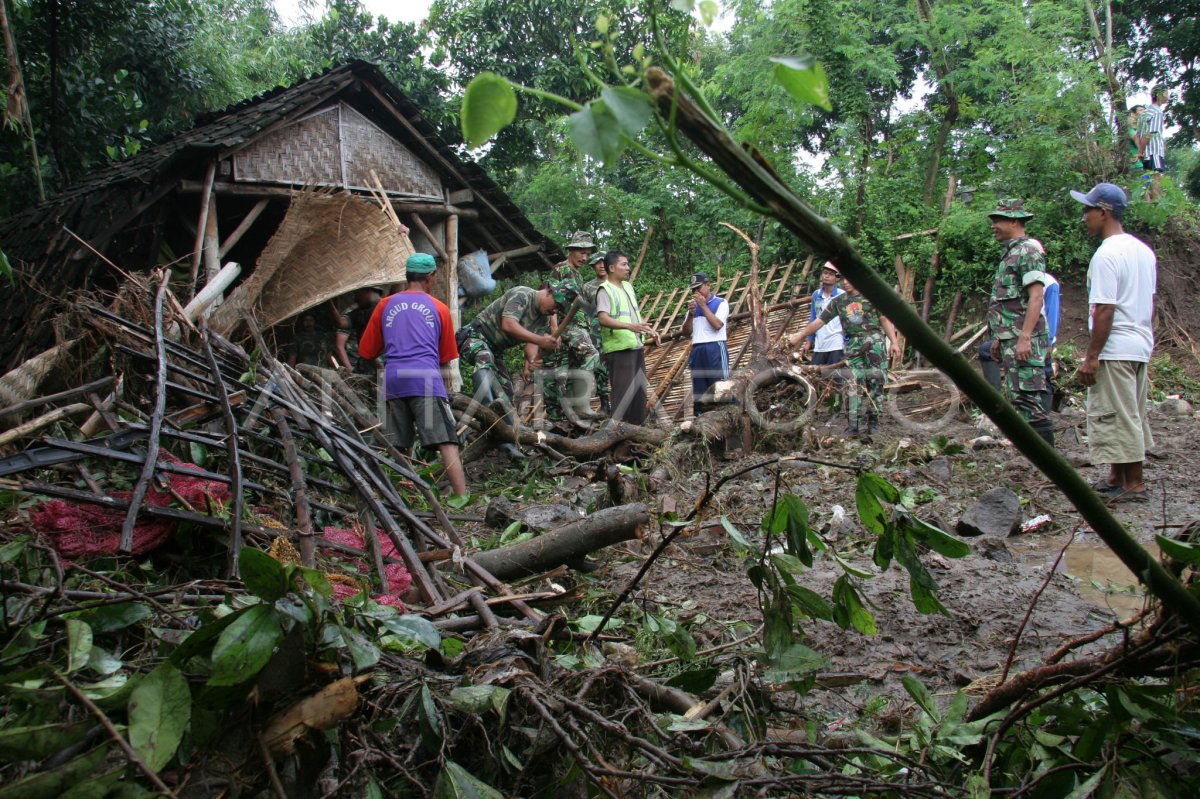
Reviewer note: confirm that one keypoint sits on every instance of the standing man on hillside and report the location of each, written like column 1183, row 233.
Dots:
column 1151, row 149
column 709, row 358
column 828, row 344
column 1015, row 321
column 581, row 339
column 1122, row 281
column 414, row 333
column 621, row 331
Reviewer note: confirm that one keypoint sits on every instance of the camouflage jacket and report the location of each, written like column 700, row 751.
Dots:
column 1022, row 263
column 519, row 303
column 587, row 300
column 861, row 323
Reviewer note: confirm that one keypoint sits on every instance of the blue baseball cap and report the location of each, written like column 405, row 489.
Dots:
column 1108, row 196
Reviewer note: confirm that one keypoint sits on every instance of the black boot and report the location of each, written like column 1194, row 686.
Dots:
column 1045, row 429
column 872, row 424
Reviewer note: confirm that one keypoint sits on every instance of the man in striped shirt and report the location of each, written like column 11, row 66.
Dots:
column 1151, row 150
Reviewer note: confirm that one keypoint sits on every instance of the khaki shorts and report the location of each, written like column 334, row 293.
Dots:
column 430, row 416
column 1118, row 428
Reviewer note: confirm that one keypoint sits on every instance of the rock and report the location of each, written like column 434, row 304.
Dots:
column 1174, row 408
column 724, row 391
column 986, row 442
column 994, row 549
column 549, row 517
column 997, row 513
column 500, row 514
column 939, row 469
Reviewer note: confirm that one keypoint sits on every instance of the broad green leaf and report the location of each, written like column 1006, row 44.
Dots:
column 55, row 782
column 455, row 782
column 804, row 79
column 708, row 11
column 718, row 769
column 794, row 662
column 685, row 6
column 103, row 662
column 245, row 646
column 194, row 643
column 811, row 602
column 317, row 581
column 630, row 106
column 418, row 628
column 109, row 618
column 938, row 540
column 922, row 587
column 264, row 576
column 430, row 720
column 920, row 694
column 597, row 133
column 159, row 711
column 1088, row 786
column 79, row 644
column 39, row 741
column 1181, row 551
column 12, row 549
column 479, row 698
column 789, row 518
column 373, row 790
column 489, row 105
column 364, row 653
column 735, row 534
column 848, row 609
column 885, row 548
column 695, row 681
column 587, row 624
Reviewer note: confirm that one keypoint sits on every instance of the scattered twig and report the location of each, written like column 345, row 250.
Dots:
column 1012, row 650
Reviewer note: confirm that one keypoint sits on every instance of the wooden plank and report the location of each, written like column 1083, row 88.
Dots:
column 650, row 306
column 642, row 254
column 666, row 384
column 783, row 282
column 236, row 236
column 420, row 225
column 202, row 225
column 669, row 305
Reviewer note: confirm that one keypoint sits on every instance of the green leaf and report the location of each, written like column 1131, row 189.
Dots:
column 55, row 782
column 79, row 644
column 885, row 548
column 871, row 493
column 13, row 549
column 103, row 662
column 794, row 662
column 920, row 694
column 418, row 628
column 811, row 602
column 1089, row 786
column 848, row 609
column 790, row 519
column 685, row 6
column 455, row 782
column 159, row 711
column 630, row 107
column 479, row 698
column 589, row 623
column 938, row 540
column 735, row 535
column 5, row 267
column 109, row 618
column 39, row 741
column 364, row 653
column 489, row 105
column 264, row 576
column 245, row 646
column 430, row 720
column 708, row 11
column 597, row 133
column 1183, row 552
column 922, row 587
column 804, row 79
column 194, row 643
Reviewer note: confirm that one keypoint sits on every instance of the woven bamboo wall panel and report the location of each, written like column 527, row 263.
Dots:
column 327, row 244
column 365, row 147
column 305, row 153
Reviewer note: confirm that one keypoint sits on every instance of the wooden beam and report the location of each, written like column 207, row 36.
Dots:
column 518, row 252
column 650, row 306
column 212, row 241
column 420, row 225
column 642, row 254
column 202, row 225
column 460, row 196
column 401, row 204
column 906, row 236
column 242, row 227
column 782, row 283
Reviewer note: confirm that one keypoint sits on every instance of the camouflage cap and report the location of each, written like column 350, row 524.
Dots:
column 1011, row 208
column 563, row 291
column 595, row 259
column 581, row 240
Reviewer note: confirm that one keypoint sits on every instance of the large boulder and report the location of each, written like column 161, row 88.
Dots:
column 996, row 513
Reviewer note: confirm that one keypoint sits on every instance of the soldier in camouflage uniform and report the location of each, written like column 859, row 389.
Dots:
column 581, row 338
column 521, row 316
column 867, row 334
column 1017, row 327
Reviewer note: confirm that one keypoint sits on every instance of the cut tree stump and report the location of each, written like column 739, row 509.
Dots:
column 570, row 542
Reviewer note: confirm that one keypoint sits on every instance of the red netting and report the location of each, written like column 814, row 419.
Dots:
column 79, row 530
column 397, row 576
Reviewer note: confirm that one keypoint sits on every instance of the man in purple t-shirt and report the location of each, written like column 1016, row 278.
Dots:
column 415, row 334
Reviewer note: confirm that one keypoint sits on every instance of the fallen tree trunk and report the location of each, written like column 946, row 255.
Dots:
column 588, row 446
column 601, row 529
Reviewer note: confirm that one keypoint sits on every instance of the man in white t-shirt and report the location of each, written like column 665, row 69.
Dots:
column 1122, row 280
column 709, row 358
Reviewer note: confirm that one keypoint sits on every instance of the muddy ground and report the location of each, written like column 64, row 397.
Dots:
column 701, row 580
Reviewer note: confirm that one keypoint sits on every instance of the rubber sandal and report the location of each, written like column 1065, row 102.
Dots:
column 1103, row 487
column 1123, row 494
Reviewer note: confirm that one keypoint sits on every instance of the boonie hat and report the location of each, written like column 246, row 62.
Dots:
column 698, row 280
column 564, row 293
column 421, row 263
column 596, row 257
column 1108, row 196
column 581, row 240
column 1011, row 208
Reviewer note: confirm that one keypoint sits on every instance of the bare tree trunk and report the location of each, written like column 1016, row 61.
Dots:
column 18, row 100
column 941, row 68
column 1116, row 97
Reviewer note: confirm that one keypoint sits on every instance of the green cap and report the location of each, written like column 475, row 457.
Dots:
column 596, row 258
column 420, row 264
column 564, row 293
column 581, row 240
column 1011, row 208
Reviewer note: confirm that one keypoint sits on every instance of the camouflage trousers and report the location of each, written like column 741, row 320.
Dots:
column 476, row 351
column 579, row 350
column 867, row 364
column 1024, row 382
